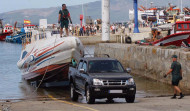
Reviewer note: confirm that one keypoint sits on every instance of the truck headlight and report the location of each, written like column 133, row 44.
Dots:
column 130, row 81
column 97, row 82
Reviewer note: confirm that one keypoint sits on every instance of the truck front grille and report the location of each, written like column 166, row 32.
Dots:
column 114, row 82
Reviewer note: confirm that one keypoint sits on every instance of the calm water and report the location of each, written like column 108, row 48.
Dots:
column 13, row 87
column 10, row 76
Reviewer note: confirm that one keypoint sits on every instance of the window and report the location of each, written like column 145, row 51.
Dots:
column 185, row 26
column 24, row 54
column 84, row 67
column 101, row 66
column 179, row 26
column 80, row 65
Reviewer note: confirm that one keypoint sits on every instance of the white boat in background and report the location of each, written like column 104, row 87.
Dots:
column 47, row 56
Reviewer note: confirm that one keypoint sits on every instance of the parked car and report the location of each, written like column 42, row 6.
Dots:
column 98, row 78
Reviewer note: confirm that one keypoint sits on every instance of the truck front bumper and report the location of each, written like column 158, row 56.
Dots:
column 113, row 91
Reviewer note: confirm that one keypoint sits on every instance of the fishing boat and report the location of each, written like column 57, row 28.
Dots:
column 46, row 56
column 5, row 31
column 179, row 32
column 18, row 37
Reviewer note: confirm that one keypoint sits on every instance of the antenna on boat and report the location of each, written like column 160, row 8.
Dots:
column 181, row 6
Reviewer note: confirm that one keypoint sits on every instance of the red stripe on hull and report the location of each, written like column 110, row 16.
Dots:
column 46, row 57
column 53, row 72
column 49, row 49
column 3, row 35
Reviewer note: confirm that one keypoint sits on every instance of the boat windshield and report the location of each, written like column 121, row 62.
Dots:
column 104, row 66
column 24, row 54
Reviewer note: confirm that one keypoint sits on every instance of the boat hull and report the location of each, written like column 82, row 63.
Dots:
column 58, row 72
column 174, row 39
column 3, row 35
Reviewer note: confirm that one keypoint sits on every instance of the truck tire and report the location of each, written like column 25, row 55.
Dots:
column 130, row 98
column 73, row 94
column 89, row 98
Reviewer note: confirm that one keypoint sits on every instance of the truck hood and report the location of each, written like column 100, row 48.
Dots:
column 110, row 75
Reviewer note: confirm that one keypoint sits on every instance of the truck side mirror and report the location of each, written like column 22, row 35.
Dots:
column 82, row 71
column 128, row 70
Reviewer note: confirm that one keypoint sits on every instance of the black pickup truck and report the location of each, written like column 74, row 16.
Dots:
column 98, row 78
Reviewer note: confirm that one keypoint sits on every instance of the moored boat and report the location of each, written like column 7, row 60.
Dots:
column 17, row 38
column 5, row 31
column 180, row 32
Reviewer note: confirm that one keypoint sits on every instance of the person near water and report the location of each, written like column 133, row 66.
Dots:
column 176, row 71
column 63, row 20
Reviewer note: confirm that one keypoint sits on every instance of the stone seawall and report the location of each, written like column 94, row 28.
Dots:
column 88, row 40
column 148, row 61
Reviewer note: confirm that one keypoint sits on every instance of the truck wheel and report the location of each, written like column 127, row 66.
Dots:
column 130, row 99
column 89, row 98
column 74, row 95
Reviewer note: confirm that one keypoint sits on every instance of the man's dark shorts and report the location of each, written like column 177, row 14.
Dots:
column 175, row 83
column 64, row 23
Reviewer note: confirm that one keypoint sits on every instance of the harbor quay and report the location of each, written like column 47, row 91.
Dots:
column 149, row 61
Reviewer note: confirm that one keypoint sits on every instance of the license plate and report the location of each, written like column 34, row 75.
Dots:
column 115, row 91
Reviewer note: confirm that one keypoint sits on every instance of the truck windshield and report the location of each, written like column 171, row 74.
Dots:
column 104, row 66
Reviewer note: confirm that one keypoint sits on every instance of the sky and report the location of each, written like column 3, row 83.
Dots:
column 11, row 5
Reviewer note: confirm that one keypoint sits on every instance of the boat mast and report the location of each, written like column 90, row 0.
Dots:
column 181, row 6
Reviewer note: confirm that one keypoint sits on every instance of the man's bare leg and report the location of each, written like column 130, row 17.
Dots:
column 175, row 93
column 67, row 32
column 177, row 89
column 61, row 32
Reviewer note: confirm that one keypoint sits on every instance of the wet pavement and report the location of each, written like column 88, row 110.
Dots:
column 12, row 87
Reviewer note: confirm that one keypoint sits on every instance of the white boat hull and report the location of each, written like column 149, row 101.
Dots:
column 49, row 57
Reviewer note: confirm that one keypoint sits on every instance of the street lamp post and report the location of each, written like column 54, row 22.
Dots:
column 181, row 6
column 105, row 20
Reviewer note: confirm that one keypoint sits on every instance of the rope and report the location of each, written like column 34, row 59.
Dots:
column 45, row 71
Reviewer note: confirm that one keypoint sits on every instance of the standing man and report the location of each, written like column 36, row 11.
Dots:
column 176, row 76
column 64, row 15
